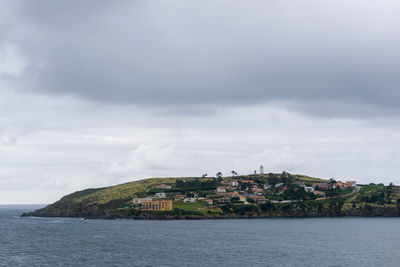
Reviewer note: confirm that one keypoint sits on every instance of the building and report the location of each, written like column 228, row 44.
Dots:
column 139, row 200
column 257, row 190
column 160, row 195
column 267, row 186
column 179, row 197
column 339, row 184
column 350, row 184
column 234, row 194
column 157, row 205
column 324, row 186
column 209, row 201
column 234, row 183
column 309, row 189
column 261, row 169
column 189, row 200
column 243, row 198
column 221, row 189
column 259, row 199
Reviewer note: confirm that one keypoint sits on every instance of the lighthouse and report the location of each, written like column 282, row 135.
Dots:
column 261, row 170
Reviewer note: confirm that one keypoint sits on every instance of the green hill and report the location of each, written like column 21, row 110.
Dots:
column 285, row 195
column 104, row 201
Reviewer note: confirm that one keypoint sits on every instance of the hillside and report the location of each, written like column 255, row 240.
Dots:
column 97, row 201
column 268, row 195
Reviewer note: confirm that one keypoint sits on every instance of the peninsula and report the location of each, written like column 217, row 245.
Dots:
column 237, row 196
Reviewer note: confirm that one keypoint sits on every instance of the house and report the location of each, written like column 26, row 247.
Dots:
column 234, row 183
column 180, row 197
column 258, row 190
column 350, row 184
column 139, row 200
column 208, row 201
column 163, row 186
column 189, row 200
column 279, row 185
column 243, row 198
column 267, row 186
column 259, row 199
column 309, row 189
column 221, row 189
column 324, row 186
column 247, row 182
column 160, row 195
column 234, row 194
column 339, row 184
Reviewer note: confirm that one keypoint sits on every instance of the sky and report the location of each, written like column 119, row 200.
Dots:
column 98, row 93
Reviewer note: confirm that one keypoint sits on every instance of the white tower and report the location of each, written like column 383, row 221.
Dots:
column 261, row 169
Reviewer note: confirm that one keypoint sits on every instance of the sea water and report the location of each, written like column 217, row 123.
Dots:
column 238, row 242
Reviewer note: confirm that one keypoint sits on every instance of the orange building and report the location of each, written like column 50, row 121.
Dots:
column 339, row 184
column 157, row 205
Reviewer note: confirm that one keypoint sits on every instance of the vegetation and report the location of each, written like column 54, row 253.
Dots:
column 285, row 196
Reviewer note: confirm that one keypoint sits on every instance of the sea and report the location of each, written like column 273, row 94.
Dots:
column 236, row 242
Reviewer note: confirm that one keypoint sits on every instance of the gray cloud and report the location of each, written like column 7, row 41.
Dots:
column 95, row 93
column 226, row 52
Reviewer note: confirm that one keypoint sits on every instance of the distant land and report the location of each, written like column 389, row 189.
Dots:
column 237, row 196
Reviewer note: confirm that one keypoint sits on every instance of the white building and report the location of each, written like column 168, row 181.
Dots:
column 221, row 189
column 309, row 189
column 160, row 195
column 261, row 169
column 189, row 200
column 234, row 183
column 267, row 186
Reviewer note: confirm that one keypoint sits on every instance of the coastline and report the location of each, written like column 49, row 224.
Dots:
column 378, row 212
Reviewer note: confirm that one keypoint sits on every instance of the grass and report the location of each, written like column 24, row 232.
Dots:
column 196, row 206
column 369, row 188
column 108, row 198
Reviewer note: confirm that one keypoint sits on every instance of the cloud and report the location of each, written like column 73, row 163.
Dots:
column 177, row 53
column 96, row 94
column 149, row 158
column 11, row 62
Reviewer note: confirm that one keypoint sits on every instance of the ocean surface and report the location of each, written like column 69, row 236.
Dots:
column 240, row 242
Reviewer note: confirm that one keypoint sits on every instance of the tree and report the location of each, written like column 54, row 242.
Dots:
column 250, row 200
column 398, row 203
column 219, row 175
column 204, row 175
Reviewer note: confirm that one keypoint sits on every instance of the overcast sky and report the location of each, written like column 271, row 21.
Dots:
column 97, row 93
